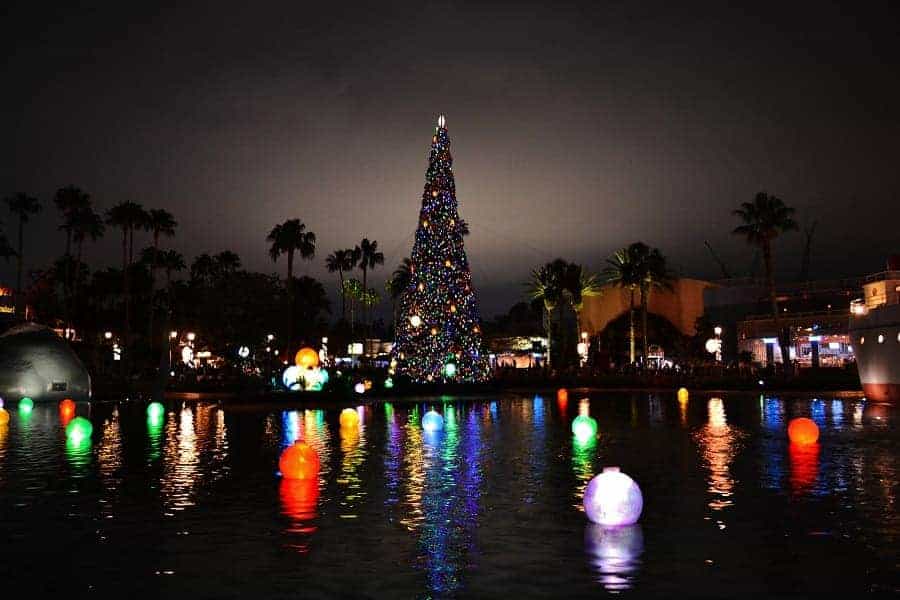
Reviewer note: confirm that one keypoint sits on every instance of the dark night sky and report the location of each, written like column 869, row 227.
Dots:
column 576, row 128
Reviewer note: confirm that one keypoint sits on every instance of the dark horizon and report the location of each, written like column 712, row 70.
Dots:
column 575, row 130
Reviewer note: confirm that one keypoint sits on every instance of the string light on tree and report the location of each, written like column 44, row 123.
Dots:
column 440, row 292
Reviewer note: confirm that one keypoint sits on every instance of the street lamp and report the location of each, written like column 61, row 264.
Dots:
column 108, row 335
column 718, row 331
column 173, row 335
column 191, row 336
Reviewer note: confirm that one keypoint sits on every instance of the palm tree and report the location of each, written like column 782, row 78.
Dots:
column 764, row 219
column 624, row 271
column 561, row 287
column 203, row 270
column 340, row 261
column 127, row 216
column 171, row 261
column 23, row 207
column 69, row 200
column 227, row 263
column 287, row 238
column 397, row 285
column 353, row 290
column 370, row 258
column 654, row 275
column 85, row 224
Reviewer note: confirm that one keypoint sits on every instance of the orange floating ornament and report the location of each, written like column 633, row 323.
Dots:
column 306, row 358
column 803, row 431
column 66, row 410
column 299, row 461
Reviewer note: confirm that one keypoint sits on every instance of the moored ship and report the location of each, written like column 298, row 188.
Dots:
column 875, row 334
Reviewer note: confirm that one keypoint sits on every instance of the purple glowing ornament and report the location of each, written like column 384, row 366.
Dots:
column 612, row 498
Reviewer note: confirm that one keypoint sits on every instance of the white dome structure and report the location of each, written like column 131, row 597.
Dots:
column 37, row 363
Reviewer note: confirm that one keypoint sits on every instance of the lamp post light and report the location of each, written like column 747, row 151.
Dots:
column 107, row 335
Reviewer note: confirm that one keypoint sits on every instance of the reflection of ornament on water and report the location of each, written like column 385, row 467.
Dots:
column 26, row 405
column 4, row 417
column 613, row 553
column 683, row 395
column 299, row 503
column 804, row 467
column 803, row 431
column 613, row 498
column 718, row 445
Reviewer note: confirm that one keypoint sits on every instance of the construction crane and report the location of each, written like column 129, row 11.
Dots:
column 804, row 264
column 725, row 273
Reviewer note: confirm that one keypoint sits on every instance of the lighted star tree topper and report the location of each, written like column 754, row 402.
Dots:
column 438, row 331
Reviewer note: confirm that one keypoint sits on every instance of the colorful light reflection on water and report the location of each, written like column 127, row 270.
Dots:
column 491, row 505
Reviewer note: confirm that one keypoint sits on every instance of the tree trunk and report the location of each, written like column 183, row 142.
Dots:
column 631, row 344
column 290, row 294
column 75, row 303
column 67, row 282
column 153, row 288
column 645, row 300
column 783, row 336
column 365, row 307
column 127, row 328
column 343, row 295
column 19, row 303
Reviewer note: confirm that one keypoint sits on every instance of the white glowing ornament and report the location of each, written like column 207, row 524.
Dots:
column 360, row 388
column 415, row 320
column 291, row 378
column 442, row 121
column 243, row 351
column 612, row 498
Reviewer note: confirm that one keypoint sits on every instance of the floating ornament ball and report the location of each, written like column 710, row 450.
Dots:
column 67, row 408
column 4, row 416
column 299, row 461
column 584, row 427
column 612, row 498
column 432, row 421
column 155, row 411
column 306, row 358
column 26, row 405
column 562, row 394
column 349, row 418
column 803, row 431
column 78, row 430
column 682, row 395
column 360, row 388
column 291, row 378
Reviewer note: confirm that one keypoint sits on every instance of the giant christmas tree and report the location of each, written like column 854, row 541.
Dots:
column 438, row 328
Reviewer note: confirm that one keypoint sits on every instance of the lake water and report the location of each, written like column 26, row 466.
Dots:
column 193, row 506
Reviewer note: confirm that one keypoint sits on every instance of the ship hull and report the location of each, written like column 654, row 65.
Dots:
column 876, row 344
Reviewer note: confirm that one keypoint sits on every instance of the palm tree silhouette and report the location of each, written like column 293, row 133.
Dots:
column 69, row 200
column 159, row 222
column 624, row 271
column 397, row 285
column 340, row 261
column 558, row 285
column 86, row 224
column 127, row 216
column 654, row 275
column 287, row 238
column 369, row 258
column 764, row 219
column 23, row 207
